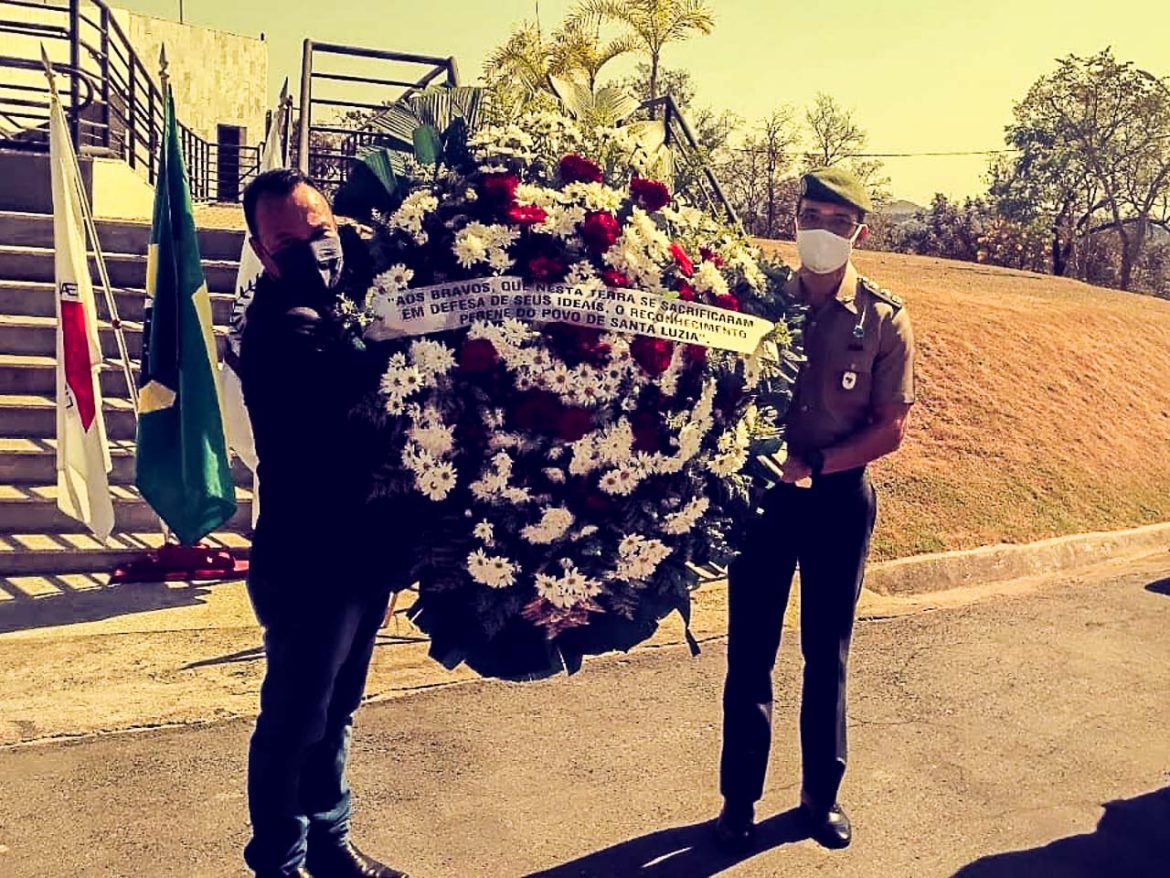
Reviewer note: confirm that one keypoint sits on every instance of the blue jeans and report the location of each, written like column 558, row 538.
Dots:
column 318, row 645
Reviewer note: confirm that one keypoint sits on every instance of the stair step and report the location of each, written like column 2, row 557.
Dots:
column 33, row 509
column 126, row 270
column 26, row 460
column 34, row 415
column 115, row 236
column 23, row 298
column 38, row 336
column 36, row 374
column 37, row 565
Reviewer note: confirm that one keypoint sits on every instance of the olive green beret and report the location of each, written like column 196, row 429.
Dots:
column 835, row 185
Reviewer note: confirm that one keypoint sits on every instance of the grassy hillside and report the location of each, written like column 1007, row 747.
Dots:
column 1044, row 408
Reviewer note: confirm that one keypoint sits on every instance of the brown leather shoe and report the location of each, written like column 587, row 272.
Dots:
column 346, row 861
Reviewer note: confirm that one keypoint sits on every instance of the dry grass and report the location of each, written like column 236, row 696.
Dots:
column 1044, row 408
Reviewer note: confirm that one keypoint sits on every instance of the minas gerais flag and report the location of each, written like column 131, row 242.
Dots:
column 83, row 453
column 183, row 469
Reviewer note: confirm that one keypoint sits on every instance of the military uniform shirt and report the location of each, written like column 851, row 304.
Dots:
column 860, row 355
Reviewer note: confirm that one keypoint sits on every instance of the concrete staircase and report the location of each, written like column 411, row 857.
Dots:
column 36, row 539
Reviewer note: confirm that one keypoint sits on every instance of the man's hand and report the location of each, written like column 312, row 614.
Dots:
column 794, row 470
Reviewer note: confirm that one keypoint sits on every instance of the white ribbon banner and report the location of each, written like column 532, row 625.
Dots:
column 424, row 310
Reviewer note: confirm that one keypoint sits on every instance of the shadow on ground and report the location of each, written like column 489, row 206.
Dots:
column 1162, row 586
column 92, row 601
column 681, row 852
column 1131, row 841
column 256, row 653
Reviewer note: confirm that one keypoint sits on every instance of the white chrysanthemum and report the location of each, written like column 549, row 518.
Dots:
column 585, row 457
column 484, row 532
column 469, row 248
column 568, row 589
column 729, row 463
column 436, row 439
column 709, row 279
column 581, row 273
column 395, row 279
column 554, row 475
column 437, row 481
column 401, row 381
column 432, row 357
column 554, row 523
column 617, row 444
column 494, row 571
column 595, row 196
column 686, row 518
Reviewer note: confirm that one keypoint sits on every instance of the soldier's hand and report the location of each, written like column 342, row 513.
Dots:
column 794, row 470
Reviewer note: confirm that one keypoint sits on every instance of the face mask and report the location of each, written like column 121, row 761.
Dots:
column 313, row 265
column 822, row 252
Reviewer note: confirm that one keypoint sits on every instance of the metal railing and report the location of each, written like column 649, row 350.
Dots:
column 689, row 158
column 111, row 98
column 337, row 103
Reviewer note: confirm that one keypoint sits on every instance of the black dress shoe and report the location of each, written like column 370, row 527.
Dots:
column 735, row 830
column 301, row 872
column 830, row 829
column 346, row 861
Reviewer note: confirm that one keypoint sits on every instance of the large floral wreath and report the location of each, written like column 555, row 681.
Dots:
column 561, row 480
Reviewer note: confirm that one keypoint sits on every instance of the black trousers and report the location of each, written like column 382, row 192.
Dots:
column 318, row 642
column 825, row 530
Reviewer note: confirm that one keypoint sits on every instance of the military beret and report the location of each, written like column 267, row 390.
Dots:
column 835, row 185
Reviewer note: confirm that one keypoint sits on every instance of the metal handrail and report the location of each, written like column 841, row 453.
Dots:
column 122, row 113
column 681, row 137
column 324, row 149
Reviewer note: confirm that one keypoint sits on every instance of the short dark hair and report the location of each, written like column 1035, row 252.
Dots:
column 278, row 182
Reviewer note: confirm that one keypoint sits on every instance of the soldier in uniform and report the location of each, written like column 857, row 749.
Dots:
column 850, row 407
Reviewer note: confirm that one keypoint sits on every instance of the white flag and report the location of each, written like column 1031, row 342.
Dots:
column 83, row 453
column 236, row 424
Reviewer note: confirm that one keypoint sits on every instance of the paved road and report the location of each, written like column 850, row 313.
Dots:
column 1022, row 735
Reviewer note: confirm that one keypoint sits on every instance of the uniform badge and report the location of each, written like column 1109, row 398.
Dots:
column 849, row 380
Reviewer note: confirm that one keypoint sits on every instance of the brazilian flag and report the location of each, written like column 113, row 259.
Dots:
column 183, row 469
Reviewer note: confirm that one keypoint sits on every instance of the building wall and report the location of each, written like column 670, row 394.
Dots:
column 218, row 78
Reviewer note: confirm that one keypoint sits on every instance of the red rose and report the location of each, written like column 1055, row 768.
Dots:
column 651, row 194
column 574, row 423
column 477, row 355
column 536, row 410
column 498, row 191
column 686, row 292
column 526, row 215
column 546, row 269
column 652, row 354
column 613, row 278
column 727, row 301
column 576, row 169
column 710, row 255
column 684, row 262
column 696, row 353
column 647, row 432
column 600, row 230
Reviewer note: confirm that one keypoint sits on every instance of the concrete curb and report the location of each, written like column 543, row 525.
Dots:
column 922, row 574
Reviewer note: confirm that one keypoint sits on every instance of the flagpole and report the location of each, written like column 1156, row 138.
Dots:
column 99, row 257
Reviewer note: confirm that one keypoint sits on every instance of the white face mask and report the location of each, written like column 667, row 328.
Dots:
column 822, row 252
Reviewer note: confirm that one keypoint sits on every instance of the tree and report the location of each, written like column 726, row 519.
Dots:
column 1094, row 138
column 577, row 47
column 653, row 23
column 836, row 139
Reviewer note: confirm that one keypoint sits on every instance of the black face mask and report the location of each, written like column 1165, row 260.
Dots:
column 312, row 266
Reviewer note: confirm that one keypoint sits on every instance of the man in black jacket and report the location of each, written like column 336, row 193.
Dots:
column 314, row 583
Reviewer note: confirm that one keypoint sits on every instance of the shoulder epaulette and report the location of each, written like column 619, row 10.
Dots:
column 891, row 299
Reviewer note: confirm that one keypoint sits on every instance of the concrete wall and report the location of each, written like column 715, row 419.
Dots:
column 218, row 78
